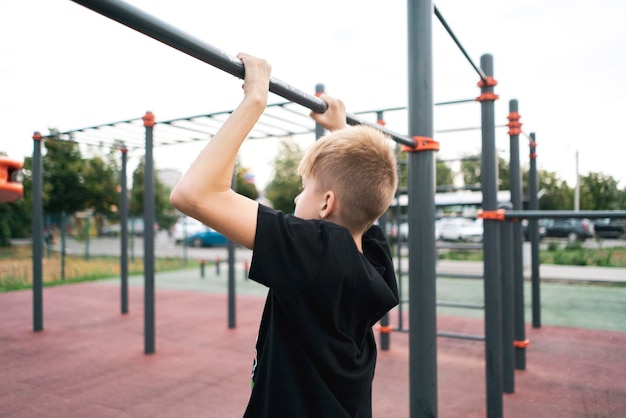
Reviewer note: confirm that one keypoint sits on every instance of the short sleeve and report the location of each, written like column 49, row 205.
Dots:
column 288, row 251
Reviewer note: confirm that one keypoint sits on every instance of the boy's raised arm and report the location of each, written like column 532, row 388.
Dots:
column 205, row 192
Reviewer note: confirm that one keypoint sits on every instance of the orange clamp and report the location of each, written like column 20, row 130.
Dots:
column 422, row 143
column 385, row 329
column 148, row 119
column 488, row 82
column 515, row 126
column 495, row 215
column 521, row 344
column 381, row 122
column 37, row 136
column 487, row 96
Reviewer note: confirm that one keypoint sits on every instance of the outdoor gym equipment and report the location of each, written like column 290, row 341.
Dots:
column 11, row 178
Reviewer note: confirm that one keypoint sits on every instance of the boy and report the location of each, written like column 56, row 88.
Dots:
column 329, row 271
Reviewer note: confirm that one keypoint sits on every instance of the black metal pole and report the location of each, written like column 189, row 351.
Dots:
column 508, row 311
column 140, row 21
column 421, row 215
column 491, row 250
column 37, row 224
column 232, row 310
column 319, row 129
column 564, row 214
column 533, row 226
column 124, row 230
column 148, row 236
column 515, row 175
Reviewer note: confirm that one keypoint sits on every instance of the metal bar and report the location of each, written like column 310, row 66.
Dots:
column 563, row 214
column 232, row 301
column 421, row 215
column 533, row 225
column 124, row 231
column 148, row 238
column 460, row 336
column 480, row 72
column 460, row 276
column 515, row 175
column 491, row 251
column 506, row 276
column 161, row 31
column 459, row 305
column 37, row 223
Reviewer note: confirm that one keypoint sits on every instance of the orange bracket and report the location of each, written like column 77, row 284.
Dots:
column 488, row 82
column 381, row 122
column 487, row 96
column 495, row 215
column 515, row 127
column 37, row 136
column 148, row 119
column 521, row 344
column 533, row 155
column 385, row 329
column 11, row 187
column 422, row 143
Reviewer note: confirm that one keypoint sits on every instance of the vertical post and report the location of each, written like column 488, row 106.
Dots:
column 506, row 273
column 37, row 225
column 148, row 236
column 385, row 329
column 319, row 129
column 63, row 236
column 86, row 231
column 232, row 311
column 515, row 175
column 534, row 233
column 124, row 230
column 577, row 189
column 491, row 247
column 421, row 213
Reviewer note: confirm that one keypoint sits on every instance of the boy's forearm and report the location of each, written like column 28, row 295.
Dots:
column 211, row 173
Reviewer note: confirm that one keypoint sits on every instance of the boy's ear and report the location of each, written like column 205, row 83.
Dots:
column 329, row 204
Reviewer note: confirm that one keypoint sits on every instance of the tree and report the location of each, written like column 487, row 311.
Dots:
column 470, row 170
column 64, row 184
column 286, row 183
column 444, row 174
column 245, row 182
column 599, row 192
column 557, row 194
column 101, row 186
column 164, row 211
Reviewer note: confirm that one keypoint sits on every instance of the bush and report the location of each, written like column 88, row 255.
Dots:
column 574, row 258
column 553, row 246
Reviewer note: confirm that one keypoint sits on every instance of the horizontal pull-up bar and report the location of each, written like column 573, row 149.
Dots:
column 140, row 21
column 563, row 214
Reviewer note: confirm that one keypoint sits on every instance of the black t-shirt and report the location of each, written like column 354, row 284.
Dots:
column 316, row 353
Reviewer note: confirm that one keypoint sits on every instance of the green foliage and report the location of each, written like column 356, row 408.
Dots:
column 552, row 246
column 245, row 183
column 599, row 192
column 165, row 214
column 285, row 186
column 443, row 175
column 64, row 184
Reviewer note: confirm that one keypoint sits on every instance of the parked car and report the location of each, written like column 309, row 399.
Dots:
column 460, row 229
column 572, row 229
column 206, row 238
column 541, row 223
column 608, row 228
column 186, row 227
column 135, row 227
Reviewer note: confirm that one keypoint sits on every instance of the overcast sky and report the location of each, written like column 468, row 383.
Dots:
column 66, row 67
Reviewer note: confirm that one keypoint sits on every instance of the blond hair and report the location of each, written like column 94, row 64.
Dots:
column 359, row 166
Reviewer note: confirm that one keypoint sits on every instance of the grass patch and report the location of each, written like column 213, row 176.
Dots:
column 16, row 268
column 571, row 254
